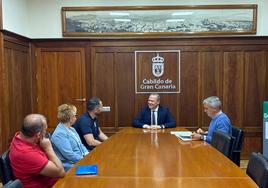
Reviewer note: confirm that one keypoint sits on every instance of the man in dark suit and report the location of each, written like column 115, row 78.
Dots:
column 154, row 116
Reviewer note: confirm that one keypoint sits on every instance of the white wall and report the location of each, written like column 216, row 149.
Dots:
column 15, row 17
column 42, row 18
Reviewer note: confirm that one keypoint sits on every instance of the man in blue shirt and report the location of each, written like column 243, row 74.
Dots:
column 219, row 120
column 87, row 125
column 154, row 116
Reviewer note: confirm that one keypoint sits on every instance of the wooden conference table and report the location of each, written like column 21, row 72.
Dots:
column 140, row 158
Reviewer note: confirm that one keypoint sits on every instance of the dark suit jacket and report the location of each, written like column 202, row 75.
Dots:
column 164, row 117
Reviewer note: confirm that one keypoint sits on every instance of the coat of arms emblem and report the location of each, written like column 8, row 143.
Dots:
column 158, row 65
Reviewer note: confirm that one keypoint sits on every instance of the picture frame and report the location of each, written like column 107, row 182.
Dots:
column 159, row 20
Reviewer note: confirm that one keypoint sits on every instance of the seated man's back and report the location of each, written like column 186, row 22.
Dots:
column 32, row 158
column 27, row 160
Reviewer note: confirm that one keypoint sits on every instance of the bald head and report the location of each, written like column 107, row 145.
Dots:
column 33, row 124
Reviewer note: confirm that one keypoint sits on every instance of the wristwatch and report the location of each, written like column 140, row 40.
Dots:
column 162, row 126
column 202, row 137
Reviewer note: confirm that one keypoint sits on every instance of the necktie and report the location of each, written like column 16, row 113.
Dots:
column 153, row 118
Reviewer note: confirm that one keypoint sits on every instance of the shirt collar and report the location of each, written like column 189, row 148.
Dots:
column 21, row 140
column 156, row 109
column 94, row 119
column 216, row 115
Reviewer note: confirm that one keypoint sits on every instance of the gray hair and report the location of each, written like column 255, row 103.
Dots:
column 157, row 96
column 213, row 101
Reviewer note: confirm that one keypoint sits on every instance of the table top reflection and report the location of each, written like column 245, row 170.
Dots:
column 143, row 158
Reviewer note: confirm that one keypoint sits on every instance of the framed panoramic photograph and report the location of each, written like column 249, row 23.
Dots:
column 159, row 20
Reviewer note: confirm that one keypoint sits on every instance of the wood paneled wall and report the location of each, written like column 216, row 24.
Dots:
column 1, row 89
column 233, row 68
column 16, row 91
column 60, row 79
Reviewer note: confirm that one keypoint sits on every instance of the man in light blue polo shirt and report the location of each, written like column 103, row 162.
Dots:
column 219, row 120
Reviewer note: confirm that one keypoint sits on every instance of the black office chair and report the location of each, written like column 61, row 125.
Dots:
column 48, row 135
column 13, row 184
column 6, row 170
column 258, row 169
column 222, row 142
column 238, row 134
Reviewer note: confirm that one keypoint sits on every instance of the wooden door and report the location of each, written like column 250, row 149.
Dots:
column 60, row 79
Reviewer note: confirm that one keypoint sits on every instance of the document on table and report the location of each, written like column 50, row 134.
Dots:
column 183, row 135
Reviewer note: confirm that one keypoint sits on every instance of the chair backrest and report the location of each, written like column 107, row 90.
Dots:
column 48, row 135
column 222, row 142
column 258, row 169
column 238, row 134
column 6, row 170
column 13, row 184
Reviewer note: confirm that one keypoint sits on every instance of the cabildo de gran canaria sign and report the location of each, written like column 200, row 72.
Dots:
column 157, row 71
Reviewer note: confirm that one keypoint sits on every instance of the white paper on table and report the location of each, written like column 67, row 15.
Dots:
column 183, row 135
